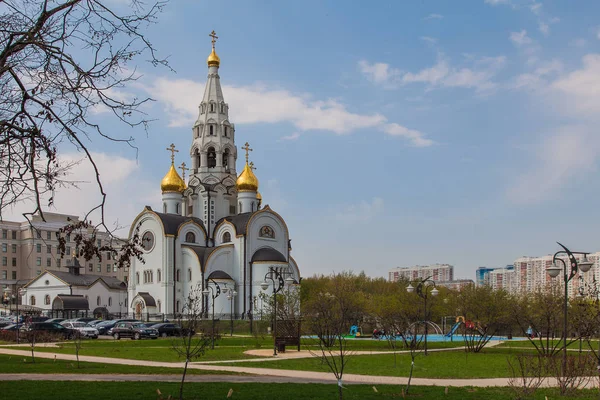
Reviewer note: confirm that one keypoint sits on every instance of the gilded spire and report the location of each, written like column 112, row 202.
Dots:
column 247, row 181
column 213, row 59
column 171, row 148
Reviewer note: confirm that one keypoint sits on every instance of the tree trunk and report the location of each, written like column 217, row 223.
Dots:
column 340, row 392
column 183, row 379
column 412, row 365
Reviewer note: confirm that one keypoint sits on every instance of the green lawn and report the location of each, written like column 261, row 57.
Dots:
column 22, row 365
column 492, row 363
column 24, row 390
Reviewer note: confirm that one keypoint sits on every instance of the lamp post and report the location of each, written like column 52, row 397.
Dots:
column 120, row 308
column 275, row 274
column 230, row 297
column 214, row 292
column 554, row 270
column 422, row 292
column 9, row 297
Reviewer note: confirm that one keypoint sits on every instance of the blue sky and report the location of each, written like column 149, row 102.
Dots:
column 390, row 135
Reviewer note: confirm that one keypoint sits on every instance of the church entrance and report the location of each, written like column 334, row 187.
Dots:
column 139, row 307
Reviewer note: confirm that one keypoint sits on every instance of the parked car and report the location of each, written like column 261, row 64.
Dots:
column 169, row 329
column 134, row 330
column 84, row 329
column 5, row 323
column 51, row 327
column 106, row 327
column 11, row 327
column 95, row 322
column 57, row 320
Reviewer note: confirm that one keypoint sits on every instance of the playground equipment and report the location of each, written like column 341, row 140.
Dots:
column 468, row 324
column 355, row 332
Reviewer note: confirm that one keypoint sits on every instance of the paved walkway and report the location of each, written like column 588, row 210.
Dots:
column 262, row 373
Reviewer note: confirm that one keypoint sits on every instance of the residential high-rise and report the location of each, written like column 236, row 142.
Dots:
column 437, row 272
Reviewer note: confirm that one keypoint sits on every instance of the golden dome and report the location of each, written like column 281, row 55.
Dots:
column 172, row 182
column 213, row 60
column 247, row 181
column 259, row 198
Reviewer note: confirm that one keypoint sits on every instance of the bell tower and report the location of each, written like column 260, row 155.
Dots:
column 211, row 192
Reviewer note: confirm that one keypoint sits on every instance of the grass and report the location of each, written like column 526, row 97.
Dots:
column 492, row 363
column 24, row 390
column 22, row 365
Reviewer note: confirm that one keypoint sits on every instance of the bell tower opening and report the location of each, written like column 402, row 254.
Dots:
column 212, row 157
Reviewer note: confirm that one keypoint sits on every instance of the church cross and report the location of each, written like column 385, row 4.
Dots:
column 248, row 149
column 252, row 167
column 171, row 148
column 214, row 37
column 183, row 169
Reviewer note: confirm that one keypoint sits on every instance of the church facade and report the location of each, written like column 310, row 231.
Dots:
column 213, row 230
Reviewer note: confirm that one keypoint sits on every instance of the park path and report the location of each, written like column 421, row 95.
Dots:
column 261, row 373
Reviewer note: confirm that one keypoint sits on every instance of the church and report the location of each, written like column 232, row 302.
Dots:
column 213, row 230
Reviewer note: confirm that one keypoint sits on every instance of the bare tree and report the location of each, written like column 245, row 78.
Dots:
column 189, row 345
column 413, row 341
column 61, row 61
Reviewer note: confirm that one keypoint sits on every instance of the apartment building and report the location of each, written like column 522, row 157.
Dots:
column 437, row 272
column 27, row 249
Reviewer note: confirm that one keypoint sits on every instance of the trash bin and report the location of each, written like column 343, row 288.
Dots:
column 281, row 347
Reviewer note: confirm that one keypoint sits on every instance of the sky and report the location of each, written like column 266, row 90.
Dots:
column 386, row 135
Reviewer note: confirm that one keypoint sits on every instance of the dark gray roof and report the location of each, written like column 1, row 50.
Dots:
column 148, row 299
column 219, row 275
column 240, row 221
column 202, row 253
column 268, row 254
column 70, row 302
column 172, row 222
column 87, row 280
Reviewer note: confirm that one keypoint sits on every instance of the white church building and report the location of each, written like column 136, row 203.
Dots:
column 212, row 230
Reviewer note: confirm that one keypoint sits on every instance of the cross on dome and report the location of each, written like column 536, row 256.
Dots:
column 214, row 37
column 248, row 149
column 183, row 168
column 252, row 167
column 171, row 148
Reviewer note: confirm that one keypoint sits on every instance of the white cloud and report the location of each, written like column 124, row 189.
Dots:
column 536, row 8
column 579, row 91
column 260, row 104
column 293, row 136
column 379, row 73
column 539, row 77
column 414, row 136
column 544, row 28
column 520, row 38
column 119, row 176
column 568, row 153
column 361, row 212
column 428, row 39
column 497, row 2
column 434, row 16
column 580, row 42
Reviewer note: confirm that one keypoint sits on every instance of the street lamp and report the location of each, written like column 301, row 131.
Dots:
column 230, row 297
column 584, row 265
column 9, row 297
column 275, row 273
column 214, row 292
column 422, row 292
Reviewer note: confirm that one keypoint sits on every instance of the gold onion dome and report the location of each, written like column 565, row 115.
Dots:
column 247, row 181
column 258, row 197
column 172, row 182
column 213, row 59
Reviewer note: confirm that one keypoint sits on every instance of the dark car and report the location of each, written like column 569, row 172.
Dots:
column 168, row 329
column 52, row 328
column 11, row 327
column 134, row 330
column 105, row 326
column 57, row 320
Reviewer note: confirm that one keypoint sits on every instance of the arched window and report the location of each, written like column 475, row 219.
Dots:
column 225, row 130
column 189, row 275
column 137, row 278
column 226, row 237
column 158, row 276
column 151, row 273
column 190, row 237
column 177, row 275
column 197, row 155
column 98, row 300
column 211, row 130
column 252, row 206
column 177, row 208
column 212, row 107
column 110, row 301
column 212, row 157
column 225, row 162
column 202, row 108
column 159, row 304
column 177, row 306
column 47, row 299
column 165, row 208
column 240, row 207
column 32, row 300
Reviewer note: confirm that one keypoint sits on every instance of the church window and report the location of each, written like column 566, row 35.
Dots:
column 151, row 276
column 158, row 276
column 226, row 237
column 110, row 301
column 231, row 210
column 189, row 275
column 32, row 301
column 137, row 278
column 159, row 304
column 177, row 208
column 190, row 237
column 47, row 299
column 212, row 157
column 226, row 158
column 211, row 130
column 98, row 300
column 201, row 108
column 252, row 206
column 197, row 155
column 240, row 207
column 177, row 307
column 177, row 275
column 212, row 109
column 165, row 208
column 267, row 232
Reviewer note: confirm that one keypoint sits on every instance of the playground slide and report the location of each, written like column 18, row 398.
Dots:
column 454, row 328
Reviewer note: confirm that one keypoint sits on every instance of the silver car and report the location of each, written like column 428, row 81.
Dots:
column 84, row 329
